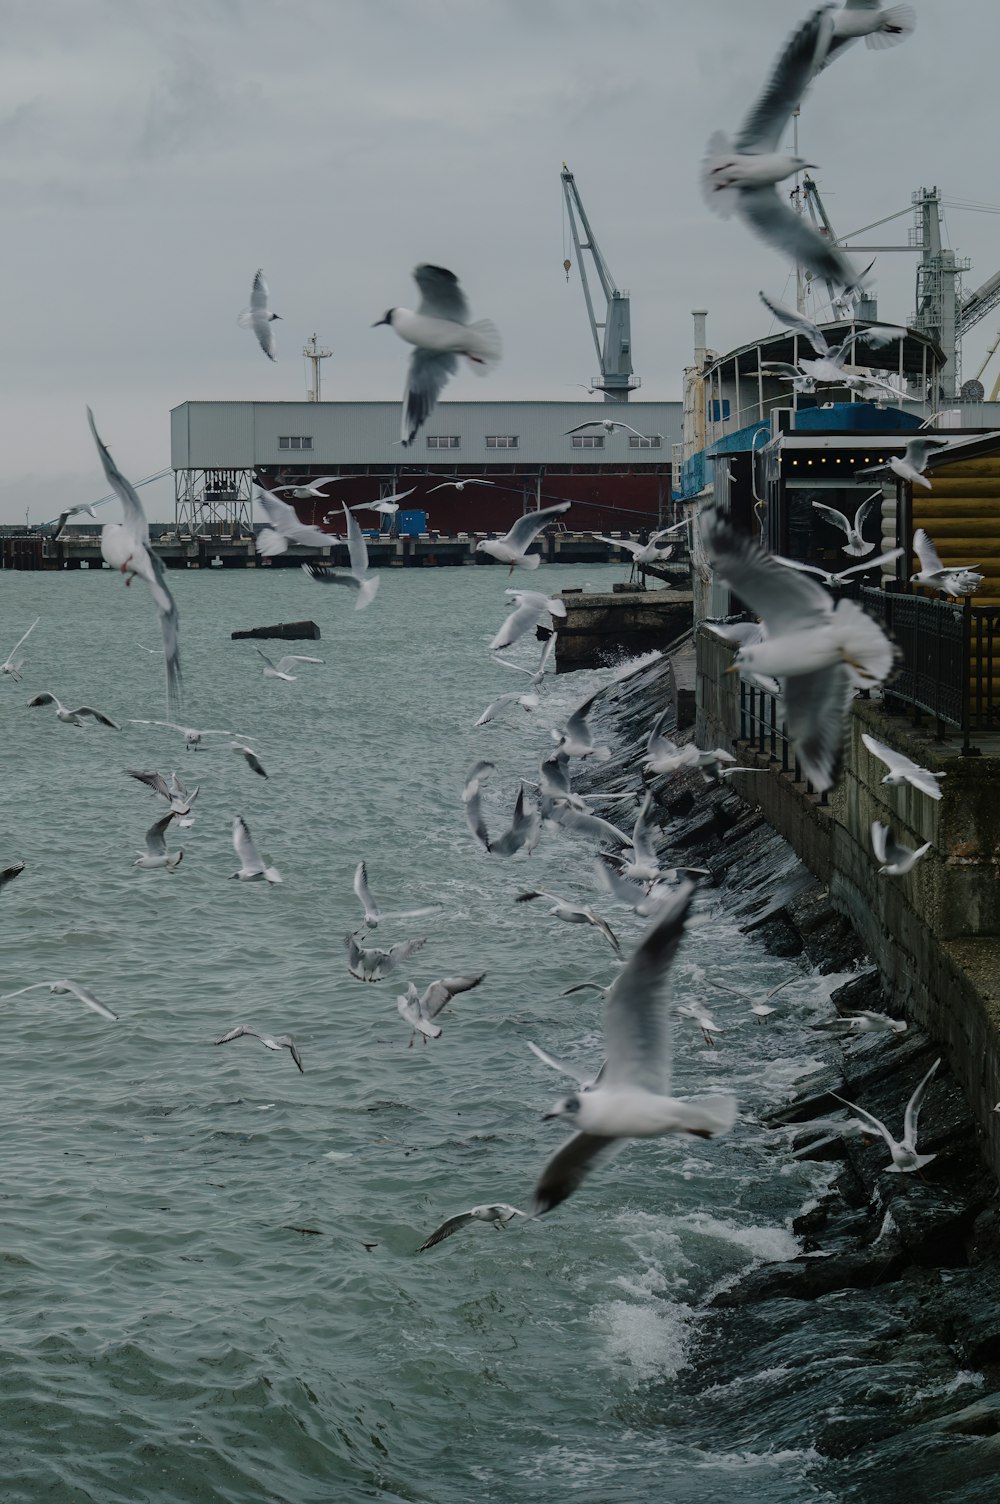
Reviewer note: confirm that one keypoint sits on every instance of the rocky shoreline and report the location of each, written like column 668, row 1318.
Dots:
column 916, row 1256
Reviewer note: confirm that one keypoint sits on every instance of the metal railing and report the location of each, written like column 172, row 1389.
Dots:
column 762, row 727
column 949, row 656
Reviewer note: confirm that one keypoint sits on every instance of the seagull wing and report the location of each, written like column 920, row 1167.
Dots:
column 804, row 51
column 155, row 781
column 816, row 707
column 798, row 323
column 804, row 568
column 357, row 548
column 569, row 1167
column 44, row 698
column 784, row 599
column 364, row 894
column 259, row 293
column 9, row 873
column 156, row 579
column 87, row 997
column 873, row 1122
column 833, row 515
column 98, row 715
column 637, row 1009
column 923, row 545
column 774, row 221
column 518, row 622
column 917, row 451
column 586, row 824
column 156, row 836
column 403, row 949
column 426, row 378
column 285, row 663
column 633, row 548
column 530, row 525
column 19, row 641
column 913, row 1110
column 888, row 558
column 580, row 427
column 244, row 846
column 560, row 1066
column 880, row 841
column 237, row 1033
column 441, row 992
column 497, row 705
column 896, row 762
column 280, row 514
column 446, row 1229
column 441, row 296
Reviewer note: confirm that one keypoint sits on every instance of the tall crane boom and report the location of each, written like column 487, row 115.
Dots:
column 614, row 342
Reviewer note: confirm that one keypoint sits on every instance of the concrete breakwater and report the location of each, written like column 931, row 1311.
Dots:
column 880, row 1340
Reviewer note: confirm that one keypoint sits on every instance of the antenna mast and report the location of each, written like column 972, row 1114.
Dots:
column 314, row 354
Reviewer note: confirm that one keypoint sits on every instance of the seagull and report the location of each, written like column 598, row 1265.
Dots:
column 697, row 1011
column 801, row 383
column 872, row 334
column 644, row 864
column 822, row 651
column 499, row 1213
column 513, row 547
column 576, row 738
column 359, row 579
column 905, row 1158
column 642, row 553
column 473, row 804
column 174, row 793
column 83, row 993
column 125, row 545
column 252, row 868
column 841, row 577
column 8, row 874
column 371, row 964
column 565, row 813
column 421, row 1010
column 902, row 769
column 285, row 528
column 191, row 736
column 855, row 545
column 280, row 669
column 526, row 827
column 388, row 506
column 530, row 606
column 527, row 702
column 609, row 425
column 12, row 663
column 156, row 853
column 896, row 858
column 573, row 914
column 279, row 1042
column 664, row 755
column 259, row 317
column 537, row 674
column 373, row 914
column 249, row 757
column 911, row 464
column 643, row 898
column 866, row 18
column 68, row 512
column 961, row 579
column 72, row 717
column 460, row 485
column 864, row 1022
column 630, row 1100
column 441, row 332
column 310, row 490
column 743, row 175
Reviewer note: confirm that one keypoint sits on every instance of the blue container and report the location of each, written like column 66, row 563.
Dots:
column 411, row 523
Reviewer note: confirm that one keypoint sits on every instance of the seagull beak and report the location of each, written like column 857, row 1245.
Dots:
column 378, row 322
column 548, row 1116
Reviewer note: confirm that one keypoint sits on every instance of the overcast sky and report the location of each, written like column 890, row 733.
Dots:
column 156, row 152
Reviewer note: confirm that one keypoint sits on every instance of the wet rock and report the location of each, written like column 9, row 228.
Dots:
column 779, row 936
column 982, row 1418
column 861, row 993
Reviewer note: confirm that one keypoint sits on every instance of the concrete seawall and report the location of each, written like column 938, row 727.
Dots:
column 934, row 934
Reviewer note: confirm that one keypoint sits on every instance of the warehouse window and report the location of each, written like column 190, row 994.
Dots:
column 501, row 441
column 442, row 441
column 588, row 441
column 295, row 441
column 644, row 441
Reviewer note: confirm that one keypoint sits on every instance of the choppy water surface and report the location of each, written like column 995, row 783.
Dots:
column 191, row 1310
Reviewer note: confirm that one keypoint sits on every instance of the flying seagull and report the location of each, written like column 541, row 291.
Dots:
column 576, row 739
column 259, row 317
column 371, row 963
column 174, row 792
column 842, row 576
column 499, row 1213
column 84, row 995
column 365, row 584
column 609, row 425
column 68, row 512
column 911, row 463
column 156, row 854
column 249, row 757
column 252, row 868
column 387, row 507
column 513, row 547
column 421, row 1009
column 460, row 485
column 473, row 803
column 631, row 1098
column 536, row 674
column 8, row 874
column 373, row 914
column 642, row 553
column 573, row 914
column 525, row 829
column 742, row 176
column 279, row 1042
column 959, row 579
column 284, row 528
column 905, row 1158
column 125, row 545
column 310, row 490
column 191, row 735
column 896, row 858
column 855, row 545
column 493, row 709
column 529, row 608
column 12, row 663
column 279, row 670
column 902, row 769
column 866, row 18
column 821, row 651
column 72, row 717
column 441, row 333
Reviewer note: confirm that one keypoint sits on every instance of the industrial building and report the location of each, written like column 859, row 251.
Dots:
column 475, row 466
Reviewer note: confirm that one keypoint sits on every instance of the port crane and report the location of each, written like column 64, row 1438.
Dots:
column 613, row 334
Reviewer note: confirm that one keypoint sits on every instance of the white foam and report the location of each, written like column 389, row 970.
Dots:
column 770, row 1244
column 650, row 1339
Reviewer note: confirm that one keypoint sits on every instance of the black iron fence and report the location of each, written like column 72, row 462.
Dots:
column 949, row 657
column 762, row 727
